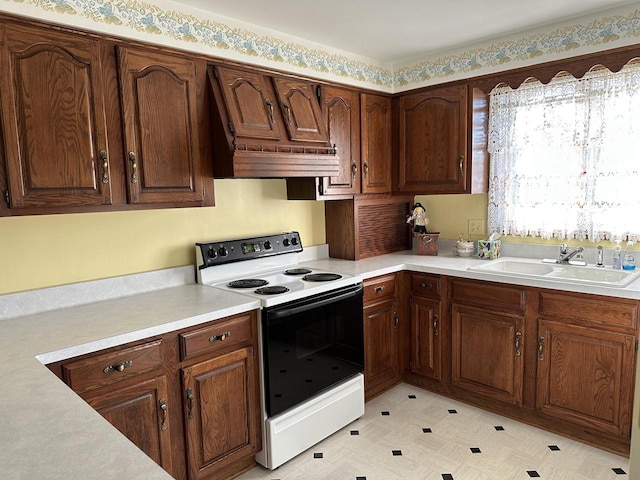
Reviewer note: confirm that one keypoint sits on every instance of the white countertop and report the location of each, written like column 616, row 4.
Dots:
column 48, row 432
column 447, row 264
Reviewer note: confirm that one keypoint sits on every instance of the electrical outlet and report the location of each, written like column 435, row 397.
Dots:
column 475, row 228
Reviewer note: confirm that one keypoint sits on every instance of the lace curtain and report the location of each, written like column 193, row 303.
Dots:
column 565, row 159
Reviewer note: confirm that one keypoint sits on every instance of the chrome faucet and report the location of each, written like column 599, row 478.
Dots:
column 565, row 255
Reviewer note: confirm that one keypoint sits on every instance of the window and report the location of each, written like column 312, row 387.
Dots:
column 565, row 157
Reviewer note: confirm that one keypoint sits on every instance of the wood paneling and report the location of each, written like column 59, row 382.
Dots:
column 367, row 226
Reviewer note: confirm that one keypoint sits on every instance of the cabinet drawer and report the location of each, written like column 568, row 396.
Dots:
column 379, row 287
column 224, row 333
column 495, row 295
column 111, row 367
column 623, row 313
column 425, row 285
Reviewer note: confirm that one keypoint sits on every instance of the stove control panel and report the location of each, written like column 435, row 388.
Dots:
column 218, row 253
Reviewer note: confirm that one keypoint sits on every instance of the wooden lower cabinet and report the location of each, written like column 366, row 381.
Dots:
column 141, row 413
column 426, row 344
column 487, row 338
column 586, row 355
column 559, row 360
column 381, row 366
column 486, row 353
column 585, row 376
column 188, row 399
column 427, row 327
column 221, row 421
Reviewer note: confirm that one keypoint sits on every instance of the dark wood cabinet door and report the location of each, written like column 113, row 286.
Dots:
column 586, row 376
column 53, row 118
column 161, row 126
column 380, row 340
column 487, row 352
column 221, row 412
column 141, row 412
column 251, row 103
column 376, row 143
column 341, row 112
column 300, row 110
column 433, row 141
column 426, row 347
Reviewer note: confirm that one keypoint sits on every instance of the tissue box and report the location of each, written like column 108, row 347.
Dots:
column 489, row 250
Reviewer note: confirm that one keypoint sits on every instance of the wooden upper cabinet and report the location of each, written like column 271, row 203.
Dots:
column 376, row 143
column 250, row 103
column 341, row 112
column 300, row 110
column 159, row 95
column 433, row 140
column 53, row 119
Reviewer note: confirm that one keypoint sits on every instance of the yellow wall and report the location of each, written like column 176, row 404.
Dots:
column 450, row 214
column 79, row 247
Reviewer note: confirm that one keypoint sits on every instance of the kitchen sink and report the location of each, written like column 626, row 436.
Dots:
column 589, row 275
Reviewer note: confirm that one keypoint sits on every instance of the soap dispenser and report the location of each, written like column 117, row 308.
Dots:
column 629, row 260
column 617, row 256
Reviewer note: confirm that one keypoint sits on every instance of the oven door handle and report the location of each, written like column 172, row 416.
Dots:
column 314, row 303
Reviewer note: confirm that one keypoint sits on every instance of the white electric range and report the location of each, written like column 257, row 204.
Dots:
column 310, row 338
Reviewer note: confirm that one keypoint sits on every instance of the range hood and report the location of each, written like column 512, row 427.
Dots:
column 267, row 126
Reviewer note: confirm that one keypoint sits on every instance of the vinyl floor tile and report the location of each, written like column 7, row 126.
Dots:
column 419, row 437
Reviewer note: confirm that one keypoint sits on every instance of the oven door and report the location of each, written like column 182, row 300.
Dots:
column 311, row 344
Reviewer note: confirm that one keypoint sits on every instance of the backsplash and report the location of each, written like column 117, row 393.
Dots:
column 36, row 301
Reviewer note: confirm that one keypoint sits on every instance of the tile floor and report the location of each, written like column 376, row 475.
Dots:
column 410, row 433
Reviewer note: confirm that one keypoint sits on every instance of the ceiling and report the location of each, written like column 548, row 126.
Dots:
column 401, row 30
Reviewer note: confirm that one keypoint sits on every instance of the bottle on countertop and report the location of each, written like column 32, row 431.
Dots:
column 617, row 256
column 629, row 260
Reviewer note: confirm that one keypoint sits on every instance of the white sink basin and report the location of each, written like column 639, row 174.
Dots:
column 516, row 266
column 604, row 276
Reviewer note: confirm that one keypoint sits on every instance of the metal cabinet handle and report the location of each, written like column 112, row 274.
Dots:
column 221, row 337
column 365, row 168
column 461, row 164
column 163, row 407
column 270, row 105
column 134, row 167
column 540, row 347
column 119, row 367
column 517, row 343
column 395, row 320
column 287, row 109
column 191, row 399
column 354, row 170
column 105, row 166
column 378, row 289
column 436, row 319
column 425, row 285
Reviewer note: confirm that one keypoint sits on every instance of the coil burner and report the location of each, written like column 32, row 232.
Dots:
column 322, row 277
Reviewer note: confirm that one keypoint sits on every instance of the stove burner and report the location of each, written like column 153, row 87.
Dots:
column 322, row 277
column 247, row 283
column 272, row 290
column 297, row 271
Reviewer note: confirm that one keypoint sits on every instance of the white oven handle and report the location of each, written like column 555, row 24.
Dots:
column 305, row 305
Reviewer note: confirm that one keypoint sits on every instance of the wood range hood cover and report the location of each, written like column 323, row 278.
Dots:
column 267, row 126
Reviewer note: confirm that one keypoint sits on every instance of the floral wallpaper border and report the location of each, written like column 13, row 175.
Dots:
column 217, row 38
column 604, row 32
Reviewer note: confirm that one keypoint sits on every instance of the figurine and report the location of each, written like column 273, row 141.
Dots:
column 419, row 218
